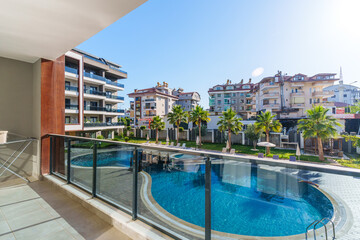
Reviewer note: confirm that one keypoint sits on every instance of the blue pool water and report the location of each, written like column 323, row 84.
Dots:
column 246, row 200
column 113, row 158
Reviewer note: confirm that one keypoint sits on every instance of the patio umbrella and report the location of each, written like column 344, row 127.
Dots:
column 266, row 144
column 298, row 153
column 227, row 144
column 197, row 141
column 147, row 138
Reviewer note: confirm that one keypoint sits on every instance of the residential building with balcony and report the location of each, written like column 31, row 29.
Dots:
column 238, row 96
column 344, row 93
column 150, row 102
column 92, row 95
column 187, row 100
column 290, row 96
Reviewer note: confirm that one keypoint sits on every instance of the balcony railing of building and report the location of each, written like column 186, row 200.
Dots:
column 150, row 100
column 71, row 88
column 115, row 110
column 101, row 78
column 103, row 124
column 71, row 70
column 117, row 69
column 272, row 94
column 271, row 104
column 298, row 105
column 115, row 97
column 72, row 106
column 141, row 171
column 150, row 115
column 94, row 59
column 151, row 107
column 298, row 93
column 94, row 92
column 322, row 93
column 94, row 108
column 248, row 95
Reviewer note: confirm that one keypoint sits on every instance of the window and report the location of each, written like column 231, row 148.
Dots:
column 230, row 87
column 218, row 88
column 219, row 95
column 93, row 119
column 234, row 94
column 345, row 95
column 241, row 94
column 67, row 119
column 246, row 87
column 310, row 101
column 219, row 102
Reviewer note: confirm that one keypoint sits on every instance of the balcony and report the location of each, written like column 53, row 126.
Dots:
column 117, row 69
column 71, row 88
column 112, row 110
column 95, row 108
column 271, row 105
column 297, row 94
column 150, row 108
column 94, row 94
column 268, row 85
column 324, row 94
column 114, row 98
column 249, row 95
column 72, row 106
column 103, row 80
column 298, row 105
column 325, row 104
column 149, row 99
column 270, row 95
column 72, row 70
column 102, row 124
column 150, row 115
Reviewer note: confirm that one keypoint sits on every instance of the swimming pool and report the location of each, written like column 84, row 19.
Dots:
column 246, row 199
column 110, row 158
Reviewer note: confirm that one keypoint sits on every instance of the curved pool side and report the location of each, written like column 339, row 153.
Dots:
column 198, row 231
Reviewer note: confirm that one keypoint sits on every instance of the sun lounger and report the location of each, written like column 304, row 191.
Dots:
column 224, row 150
column 171, row 144
column 232, row 151
column 184, row 145
column 276, row 157
column 178, row 145
column 292, row 159
column 260, row 155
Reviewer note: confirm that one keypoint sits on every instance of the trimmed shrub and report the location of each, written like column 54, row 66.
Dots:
column 131, row 134
column 126, row 139
column 143, row 127
column 100, row 137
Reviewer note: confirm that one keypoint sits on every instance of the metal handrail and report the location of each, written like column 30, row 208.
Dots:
column 324, row 227
column 307, row 229
column 332, row 223
column 219, row 155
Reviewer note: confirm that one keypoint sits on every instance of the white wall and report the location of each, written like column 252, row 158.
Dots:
column 20, row 108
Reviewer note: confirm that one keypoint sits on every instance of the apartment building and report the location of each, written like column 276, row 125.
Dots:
column 291, row 96
column 344, row 93
column 187, row 100
column 238, row 96
column 92, row 95
column 150, row 102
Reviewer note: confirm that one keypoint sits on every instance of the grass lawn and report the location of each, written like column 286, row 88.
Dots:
column 353, row 162
column 283, row 154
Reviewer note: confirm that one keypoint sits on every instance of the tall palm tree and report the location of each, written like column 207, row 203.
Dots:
column 229, row 122
column 158, row 124
column 177, row 116
column 197, row 115
column 318, row 125
column 265, row 122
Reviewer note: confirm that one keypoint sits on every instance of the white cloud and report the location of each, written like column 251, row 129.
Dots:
column 257, row 72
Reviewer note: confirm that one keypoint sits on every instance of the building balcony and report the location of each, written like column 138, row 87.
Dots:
column 72, row 106
column 249, row 96
column 94, row 94
column 324, row 94
column 150, row 100
column 265, row 86
column 271, row 105
column 297, row 84
column 112, row 110
column 94, row 108
column 103, row 124
column 114, row 98
column 270, row 95
column 71, row 91
column 150, row 108
column 150, row 115
column 298, row 105
column 325, row 104
column 297, row 94
column 94, row 78
column 71, row 73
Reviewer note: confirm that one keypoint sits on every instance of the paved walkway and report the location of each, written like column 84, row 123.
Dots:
column 39, row 211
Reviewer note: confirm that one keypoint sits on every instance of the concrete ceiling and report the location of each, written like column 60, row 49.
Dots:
column 33, row 29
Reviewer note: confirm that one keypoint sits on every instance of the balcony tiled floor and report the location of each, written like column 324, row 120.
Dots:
column 38, row 211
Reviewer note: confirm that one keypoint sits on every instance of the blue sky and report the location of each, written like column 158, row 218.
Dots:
column 196, row 44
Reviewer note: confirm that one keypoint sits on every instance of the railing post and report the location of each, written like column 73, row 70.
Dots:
column 135, row 184
column 208, row 199
column 68, row 160
column 94, row 169
column 51, row 155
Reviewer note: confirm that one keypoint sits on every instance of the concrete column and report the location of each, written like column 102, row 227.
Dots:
column 242, row 138
column 187, row 135
column 302, row 143
column 213, row 136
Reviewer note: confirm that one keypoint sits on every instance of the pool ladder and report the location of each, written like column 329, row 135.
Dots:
column 315, row 223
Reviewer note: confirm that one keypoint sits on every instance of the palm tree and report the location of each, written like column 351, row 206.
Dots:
column 265, row 122
column 177, row 116
column 229, row 122
column 197, row 115
column 252, row 134
column 158, row 124
column 318, row 125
